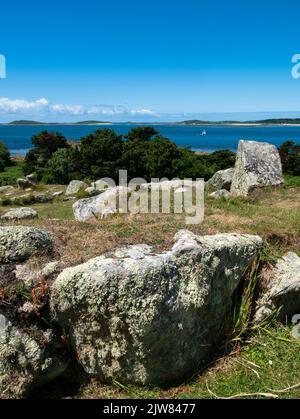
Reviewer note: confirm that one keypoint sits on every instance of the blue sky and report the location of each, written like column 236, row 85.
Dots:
column 149, row 60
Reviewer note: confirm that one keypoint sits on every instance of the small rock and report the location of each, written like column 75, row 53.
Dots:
column 20, row 214
column 220, row 180
column 283, row 290
column 4, row 189
column 221, row 194
column 57, row 194
column 75, row 187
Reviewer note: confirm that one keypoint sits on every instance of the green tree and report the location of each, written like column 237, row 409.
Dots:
column 45, row 145
column 290, row 157
column 62, row 167
column 100, row 154
column 142, row 134
column 5, row 160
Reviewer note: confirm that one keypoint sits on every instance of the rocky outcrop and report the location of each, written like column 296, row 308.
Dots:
column 75, row 187
column 257, row 165
column 26, row 361
column 99, row 206
column 20, row 214
column 145, row 318
column 220, row 180
column 19, row 243
column 283, row 292
column 223, row 193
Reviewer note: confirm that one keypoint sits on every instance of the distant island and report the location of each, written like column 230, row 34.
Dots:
column 193, row 122
column 26, row 122
column 283, row 121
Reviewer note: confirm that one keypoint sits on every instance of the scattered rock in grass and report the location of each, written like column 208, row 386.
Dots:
column 57, row 194
column 145, row 318
column 4, row 189
column 31, row 277
column 75, row 187
column 283, row 291
column 96, row 207
column 223, row 193
column 20, row 214
column 257, row 165
column 220, row 180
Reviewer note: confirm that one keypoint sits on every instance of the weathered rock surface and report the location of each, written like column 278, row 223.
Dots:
column 168, row 185
column 257, row 165
column 220, row 180
column 223, row 193
column 31, row 277
column 20, row 214
column 98, row 206
column 75, row 187
column 19, row 243
column 25, row 362
column 145, row 318
column 283, row 290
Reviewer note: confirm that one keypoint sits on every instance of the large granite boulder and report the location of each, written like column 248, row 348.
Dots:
column 257, row 165
column 18, row 243
column 145, row 318
column 98, row 206
column 220, row 180
column 75, row 187
column 283, row 291
column 20, row 214
column 26, row 360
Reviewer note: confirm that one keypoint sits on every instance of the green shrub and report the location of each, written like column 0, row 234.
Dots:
column 290, row 157
column 4, row 156
column 45, row 145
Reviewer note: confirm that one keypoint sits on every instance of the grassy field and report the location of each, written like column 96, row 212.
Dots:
column 266, row 362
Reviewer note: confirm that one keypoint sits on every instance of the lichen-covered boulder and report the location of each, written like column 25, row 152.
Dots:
column 145, row 318
column 98, row 206
column 26, row 361
column 283, row 291
column 220, row 180
column 75, row 187
column 20, row 214
column 20, row 243
column 257, row 165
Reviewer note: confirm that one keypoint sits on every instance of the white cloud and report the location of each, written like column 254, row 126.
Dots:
column 42, row 107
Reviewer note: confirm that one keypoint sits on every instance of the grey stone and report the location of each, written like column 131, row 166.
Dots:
column 4, row 189
column 221, row 180
column 145, row 318
column 19, row 243
column 31, row 277
column 98, row 206
column 20, row 214
column 75, row 187
column 283, row 290
column 57, row 194
column 257, row 165
column 43, row 198
column 32, row 179
column 223, row 193
column 23, row 183
column 25, row 362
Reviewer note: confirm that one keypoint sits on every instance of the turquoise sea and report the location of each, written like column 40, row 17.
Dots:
column 18, row 138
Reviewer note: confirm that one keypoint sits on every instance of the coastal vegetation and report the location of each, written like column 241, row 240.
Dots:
column 143, row 152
